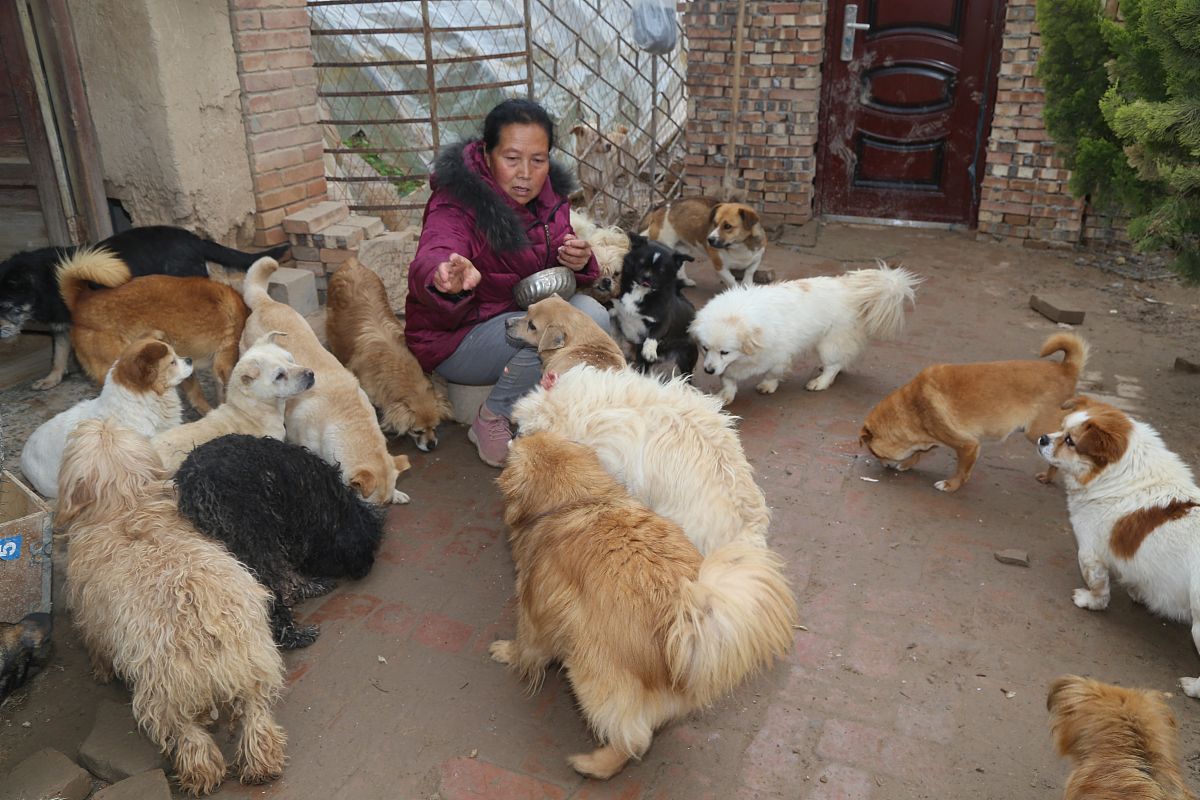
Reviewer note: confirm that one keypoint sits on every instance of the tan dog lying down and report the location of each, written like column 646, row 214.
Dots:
column 565, row 337
column 959, row 405
column 259, row 387
column 334, row 419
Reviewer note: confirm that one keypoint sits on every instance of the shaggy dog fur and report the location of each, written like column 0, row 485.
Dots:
column 285, row 514
column 565, row 336
column 167, row 610
column 1123, row 741
column 139, row 392
column 261, row 383
column 335, row 418
column 609, row 246
column 669, row 444
column 364, row 334
column 201, row 319
column 647, row 629
column 25, row 648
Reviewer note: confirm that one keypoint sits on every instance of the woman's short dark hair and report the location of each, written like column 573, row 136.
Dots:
column 516, row 111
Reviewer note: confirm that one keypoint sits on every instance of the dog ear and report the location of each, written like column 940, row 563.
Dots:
column 251, row 373
column 402, row 463
column 268, row 338
column 1076, row 403
column 142, row 369
column 682, row 258
column 864, row 435
column 750, row 343
column 636, row 240
column 554, row 337
column 749, row 217
column 364, row 482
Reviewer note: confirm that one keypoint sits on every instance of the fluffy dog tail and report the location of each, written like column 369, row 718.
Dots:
column 733, row 620
column 880, row 295
column 1074, row 349
column 89, row 265
column 254, row 289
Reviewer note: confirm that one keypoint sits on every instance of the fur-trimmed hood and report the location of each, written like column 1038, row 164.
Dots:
column 461, row 172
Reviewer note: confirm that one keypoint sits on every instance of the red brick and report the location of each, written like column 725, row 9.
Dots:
column 285, row 18
column 279, row 198
column 441, row 632
column 343, row 605
column 392, row 619
column 316, row 217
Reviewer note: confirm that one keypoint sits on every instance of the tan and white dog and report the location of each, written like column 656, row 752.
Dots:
column 1135, row 509
column 730, row 234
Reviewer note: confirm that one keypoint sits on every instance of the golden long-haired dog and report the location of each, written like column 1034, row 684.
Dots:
column 565, row 337
column 1123, row 741
column 647, row 629
column 364, row 335
column 166, row 609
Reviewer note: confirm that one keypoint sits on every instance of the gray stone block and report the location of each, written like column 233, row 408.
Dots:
column 295, row 287
column 466, row 400
column 46, row 775
column 116, row 749
column 152, row 785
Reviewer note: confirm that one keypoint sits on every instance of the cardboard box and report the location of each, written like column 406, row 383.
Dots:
column 25, row 545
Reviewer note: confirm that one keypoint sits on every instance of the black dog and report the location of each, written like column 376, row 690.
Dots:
column 24, row 649
column 651, row 313
column 284, row 513
column 29, row 286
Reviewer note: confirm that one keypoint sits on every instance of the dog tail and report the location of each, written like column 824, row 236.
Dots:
column 238, row 259
column 733, row 620
column 89, row 265
column 1074, row 349
column 880, row 295
column 254, row 289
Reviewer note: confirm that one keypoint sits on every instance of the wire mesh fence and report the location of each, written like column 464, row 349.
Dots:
column 400, row 78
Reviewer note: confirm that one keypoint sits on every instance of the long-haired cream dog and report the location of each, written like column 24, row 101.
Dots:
column 1123, row 741
column 167, row 610
column 647, row 629
column 669, row 444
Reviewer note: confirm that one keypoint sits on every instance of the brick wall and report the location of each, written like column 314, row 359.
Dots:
column 775, row 159
column 279, row 106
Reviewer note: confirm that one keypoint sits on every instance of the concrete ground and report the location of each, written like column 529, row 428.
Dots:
column 923, row 666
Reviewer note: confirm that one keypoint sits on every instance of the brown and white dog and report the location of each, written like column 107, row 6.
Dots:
column 730, row 234
column 1123, row 741
column 1135, row 509
column 960, row 405
column 565, row 337
column 604, row 159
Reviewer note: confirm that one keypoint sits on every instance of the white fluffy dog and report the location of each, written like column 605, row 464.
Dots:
column 757, row 330
column 139, row 390
column 259, row 387
column 669, row 444
column 1135, row 509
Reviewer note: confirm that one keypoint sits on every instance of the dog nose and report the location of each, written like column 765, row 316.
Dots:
column 709, row 370
column 187, row 362
column 604, row 284
column 310, row 378
column 430, row 446
column 1043, row 440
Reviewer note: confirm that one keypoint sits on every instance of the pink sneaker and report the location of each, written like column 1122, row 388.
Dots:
column 491, row 434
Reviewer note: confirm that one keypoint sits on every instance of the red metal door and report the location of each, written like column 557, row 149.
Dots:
column 906, row 106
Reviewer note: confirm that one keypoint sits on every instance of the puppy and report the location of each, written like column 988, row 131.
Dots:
column 1123, row 741
column 364, row 334
column 760, row 330
column 651, row 313
column 565, row 336
column 669, row 444
column 29, row 286
column 285, row 514
column 609, row 246
column 335, row 418
column 139, row 391
column 647, row 630
column 167, row 610
column 1135, row 510
column 25, row 648
column 959, row 405
column 730, row 234
column 202, row 319
column 262, row 381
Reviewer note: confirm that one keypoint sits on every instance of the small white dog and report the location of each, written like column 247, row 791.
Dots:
column 139, row 391
column 669, row 444
column 259, row 387
column 757, row 330
column 1135, row 509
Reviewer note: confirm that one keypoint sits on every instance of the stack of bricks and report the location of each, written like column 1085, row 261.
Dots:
column 1025, row 197
column 326, row 234
column 775, row 159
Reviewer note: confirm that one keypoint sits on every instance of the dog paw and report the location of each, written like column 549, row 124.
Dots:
column 400, row 498
column 768, row 386
column 1084, row 598
column 503, row 651
column 48, row 382
column 1190, row 686
column 1043, row 477
column 650, row 350
column 295, row 638
column 601, row 765
column 818, row 384
column 727, row 394
column 317, row 588
column 948, row 485
column 686, row 281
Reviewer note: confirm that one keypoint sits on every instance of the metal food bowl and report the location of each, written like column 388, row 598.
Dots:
column 540, row 285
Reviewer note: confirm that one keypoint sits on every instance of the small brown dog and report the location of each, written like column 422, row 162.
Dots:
column 647, row 629
column 730, row 234
column 565, row 337
column 200, row 318
column 959, row 405
column 364, row 334
column 1123, row 741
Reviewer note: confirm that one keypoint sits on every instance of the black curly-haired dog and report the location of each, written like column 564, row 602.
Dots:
column 284, row 513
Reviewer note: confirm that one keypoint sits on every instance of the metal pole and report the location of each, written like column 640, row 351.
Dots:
column 430, row 78
column 528, row 51
column 654, row 190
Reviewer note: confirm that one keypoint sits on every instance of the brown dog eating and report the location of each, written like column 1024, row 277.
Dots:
column 565, row 337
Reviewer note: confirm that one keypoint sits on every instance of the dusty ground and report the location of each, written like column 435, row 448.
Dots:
column 924, row 667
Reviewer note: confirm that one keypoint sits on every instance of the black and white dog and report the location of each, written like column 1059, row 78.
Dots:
column 651, row 313
column 284, row 513
column 29, row 285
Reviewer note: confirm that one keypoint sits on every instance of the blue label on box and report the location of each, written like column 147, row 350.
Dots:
column 10, row 548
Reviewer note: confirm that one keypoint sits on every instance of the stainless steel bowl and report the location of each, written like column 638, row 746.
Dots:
column 540, row 285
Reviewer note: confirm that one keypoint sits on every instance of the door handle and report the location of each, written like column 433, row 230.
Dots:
column 849, row 28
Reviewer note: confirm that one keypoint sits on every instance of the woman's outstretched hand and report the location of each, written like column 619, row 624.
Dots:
column 574, row 252
column 456, row 275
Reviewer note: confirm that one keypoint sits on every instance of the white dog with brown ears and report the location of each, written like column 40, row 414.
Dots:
column 1135, row 509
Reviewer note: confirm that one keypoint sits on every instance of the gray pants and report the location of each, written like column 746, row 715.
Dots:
column 489, row 356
